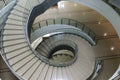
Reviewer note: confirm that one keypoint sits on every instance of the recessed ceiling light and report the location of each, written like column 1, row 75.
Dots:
column 112, row 48
column 99, row 22
column 105, row 34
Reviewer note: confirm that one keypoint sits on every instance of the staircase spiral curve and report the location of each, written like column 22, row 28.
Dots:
column 22, row 59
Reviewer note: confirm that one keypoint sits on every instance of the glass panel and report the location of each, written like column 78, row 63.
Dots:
column 58, row 21
column 43, row 23
column 35, row 26
column 86, row 30
column 50, row 21
column 80, row 26
column 65, row 21
column 73, row 23
column 92, row 35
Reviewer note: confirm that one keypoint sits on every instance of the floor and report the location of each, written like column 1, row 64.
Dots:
column 108, row 42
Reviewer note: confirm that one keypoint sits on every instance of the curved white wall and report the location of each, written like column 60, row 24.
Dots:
column 103, row 9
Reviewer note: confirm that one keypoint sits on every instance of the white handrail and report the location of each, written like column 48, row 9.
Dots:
column 115, row 74
column 116, row 3
column 5, row 11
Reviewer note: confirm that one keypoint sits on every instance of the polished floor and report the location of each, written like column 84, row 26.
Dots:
column 108, row 44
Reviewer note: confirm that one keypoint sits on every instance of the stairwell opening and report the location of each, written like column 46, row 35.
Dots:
column 57, row 51
column 62, row 54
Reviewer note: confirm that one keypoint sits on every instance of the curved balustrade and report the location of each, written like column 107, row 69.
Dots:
column 115, row 4
column 79, row 33
column 4, row 12
column 65, row 21
column 116, row 75
column 97, row 69
column 63, row 29
column 37, row 10
column 22, row 59
column 55, row 43
column 3, row 3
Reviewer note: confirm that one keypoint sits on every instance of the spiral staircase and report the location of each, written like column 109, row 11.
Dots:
column 53, row 51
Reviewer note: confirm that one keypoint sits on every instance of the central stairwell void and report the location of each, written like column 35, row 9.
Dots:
column 56, row 51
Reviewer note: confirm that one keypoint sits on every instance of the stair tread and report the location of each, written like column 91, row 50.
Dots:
column 7, row 26
column 77, row 75
column 64, row 74
column 14, row 22
column 15, row 47
column 22, row 62
column 44, row 72
column 18, row 58
column 33, row 3
column 38, row 72
column 22, row 2
column 69, row 75
column 17, row 52
column 13, row 37
column 24, row 71
column 22, row 10
column 9, row 32
column 17, row 12
column 13, row 16
column 49, row 73
column 30, row 72
column 59, row 73
column 12, row 42
column 54, row 74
